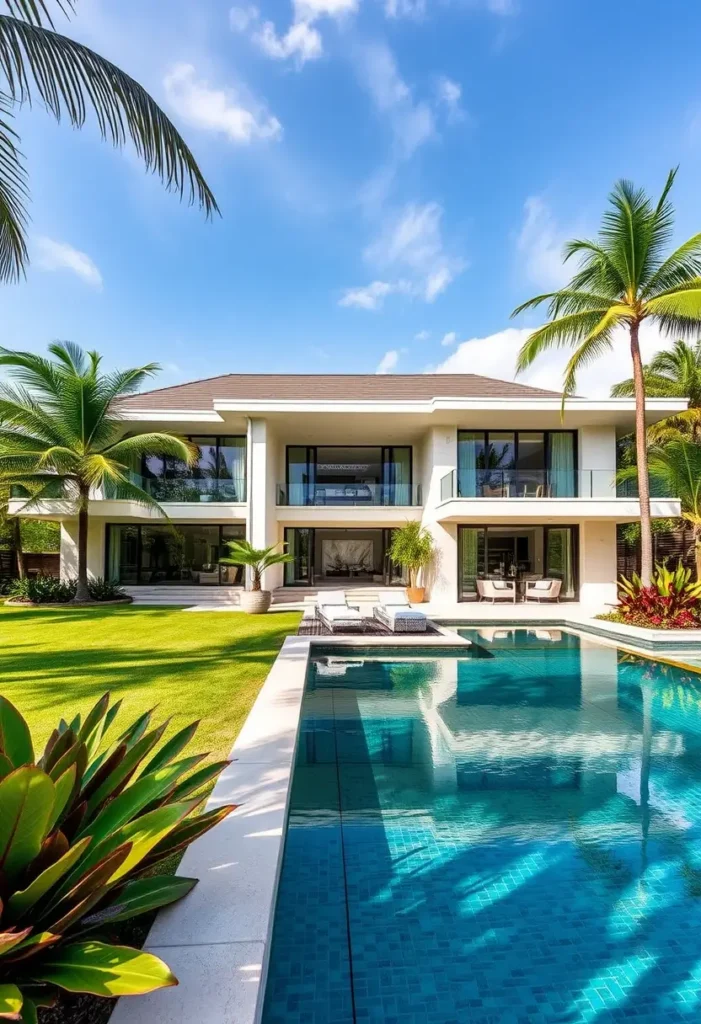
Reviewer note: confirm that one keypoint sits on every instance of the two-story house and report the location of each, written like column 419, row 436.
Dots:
column 331, row 464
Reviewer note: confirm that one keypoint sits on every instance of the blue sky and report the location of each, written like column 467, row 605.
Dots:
column 394, row 177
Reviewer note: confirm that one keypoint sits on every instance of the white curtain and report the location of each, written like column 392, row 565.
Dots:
column 467, row 464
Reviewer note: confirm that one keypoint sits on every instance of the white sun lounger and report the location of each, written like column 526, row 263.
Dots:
column 395, row 612
column 335, row 612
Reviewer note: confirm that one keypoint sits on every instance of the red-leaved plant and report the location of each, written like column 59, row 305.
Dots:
column 672, row 601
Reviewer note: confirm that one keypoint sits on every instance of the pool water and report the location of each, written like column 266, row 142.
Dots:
column 507, row 833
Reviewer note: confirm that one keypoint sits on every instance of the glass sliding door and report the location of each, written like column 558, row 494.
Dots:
column 396, row 476
column 518, row 553
column 231, row 468
column 299, row 542
column 471, row 560
column 561, row 558
column 301, row 475
column 158, row 554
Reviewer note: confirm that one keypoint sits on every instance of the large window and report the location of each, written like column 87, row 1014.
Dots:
column 161, row 554
column 517, row 464
column 517, row 553
column 337, row 557
column 218, row 473
column 348, row 475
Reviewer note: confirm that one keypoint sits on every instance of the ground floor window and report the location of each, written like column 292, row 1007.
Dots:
column 338, row 557
column 167, row 554
column 517, row 552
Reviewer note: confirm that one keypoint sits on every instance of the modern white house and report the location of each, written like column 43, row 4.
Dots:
column 331, row 464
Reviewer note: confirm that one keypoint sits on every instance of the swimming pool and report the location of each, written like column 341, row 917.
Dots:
column 508, row 833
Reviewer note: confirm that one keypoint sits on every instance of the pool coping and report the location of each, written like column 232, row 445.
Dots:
column 217, row 940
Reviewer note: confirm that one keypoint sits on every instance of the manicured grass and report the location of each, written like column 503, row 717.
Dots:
column 194, row 665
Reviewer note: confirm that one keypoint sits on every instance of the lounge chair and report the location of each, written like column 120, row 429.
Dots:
column 496, row 590
column 333, row 610
column 395, row 612
column 542, row 590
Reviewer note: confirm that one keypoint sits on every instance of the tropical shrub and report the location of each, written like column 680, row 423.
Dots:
column 412, row 548
column 81, row 828
column 672, row 601
column 42, row 589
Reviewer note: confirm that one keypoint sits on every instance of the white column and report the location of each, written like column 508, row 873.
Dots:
column 597, row 462
column 261, row 527
column 440, row 458
column 597, row 564
column 69, row 548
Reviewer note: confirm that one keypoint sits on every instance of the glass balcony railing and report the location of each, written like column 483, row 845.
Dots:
column 349, row 494
column 187, row 489
column 540, row 483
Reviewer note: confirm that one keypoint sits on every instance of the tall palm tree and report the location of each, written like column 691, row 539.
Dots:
column 672, row 374
column 677, row 465
column 68, row 79
column 61, row 435
column 623, row 280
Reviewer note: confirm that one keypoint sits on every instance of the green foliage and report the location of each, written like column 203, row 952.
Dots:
column 61, row 436
column 80, row 828
column 624, row 277
column 61, row 76
column 242, row 552
column 672, row 601
column 40, row 536
column 672, row 374
column 42, row 589
column 412, row 548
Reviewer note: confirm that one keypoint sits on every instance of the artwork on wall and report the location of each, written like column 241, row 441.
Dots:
column 347, row 557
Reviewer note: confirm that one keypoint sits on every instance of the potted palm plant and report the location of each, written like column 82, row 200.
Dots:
column 255, row 600
column 412, row 548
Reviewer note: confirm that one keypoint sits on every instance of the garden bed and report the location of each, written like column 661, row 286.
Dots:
column 20, row 602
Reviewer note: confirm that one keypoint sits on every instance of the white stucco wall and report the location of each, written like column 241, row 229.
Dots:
column 597, row 462
column 597, row 563
column 69, row 548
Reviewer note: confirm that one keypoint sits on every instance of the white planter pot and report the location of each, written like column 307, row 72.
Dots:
column 255, row 602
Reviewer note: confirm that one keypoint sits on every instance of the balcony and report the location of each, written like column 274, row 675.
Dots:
column 482, row 495
column 187, row 490
column 349, row 495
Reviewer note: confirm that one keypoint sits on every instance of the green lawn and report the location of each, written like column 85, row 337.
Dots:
column 194, row 665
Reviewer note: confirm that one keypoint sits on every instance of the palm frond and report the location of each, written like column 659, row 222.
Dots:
column 565, row 332
column 70, row 78
column 13, row 196
column 679, row 311
column 596, row 271
column 624, row 389
column 682, row 264
column 567, row 300
column 625, row 233
column 32, row 370
column 36, row 12
column 139, row 445
column 594, row 346
column 72, row 357
column 122, row 489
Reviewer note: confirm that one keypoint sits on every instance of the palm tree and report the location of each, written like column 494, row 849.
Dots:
column 623, row 280
column 68, row 79
column 672, row 374
column 242, row 552
column 677, row 465
column 61, row 435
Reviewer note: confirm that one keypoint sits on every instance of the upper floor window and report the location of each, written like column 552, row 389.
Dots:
column 217, row 474
column 517, row 464
column 348, row 475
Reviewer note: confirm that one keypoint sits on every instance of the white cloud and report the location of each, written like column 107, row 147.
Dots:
column 422, row 336
column 495, row 356
column 502, row 7
column 449, row 94
column 371, row 297
column 217, row 110
column 539, row 245
column 301, row 41
column 413, row 242
column 412, row 123
column 450, row 338
column 52, row 255
column 388, row 362
column 240, row 18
